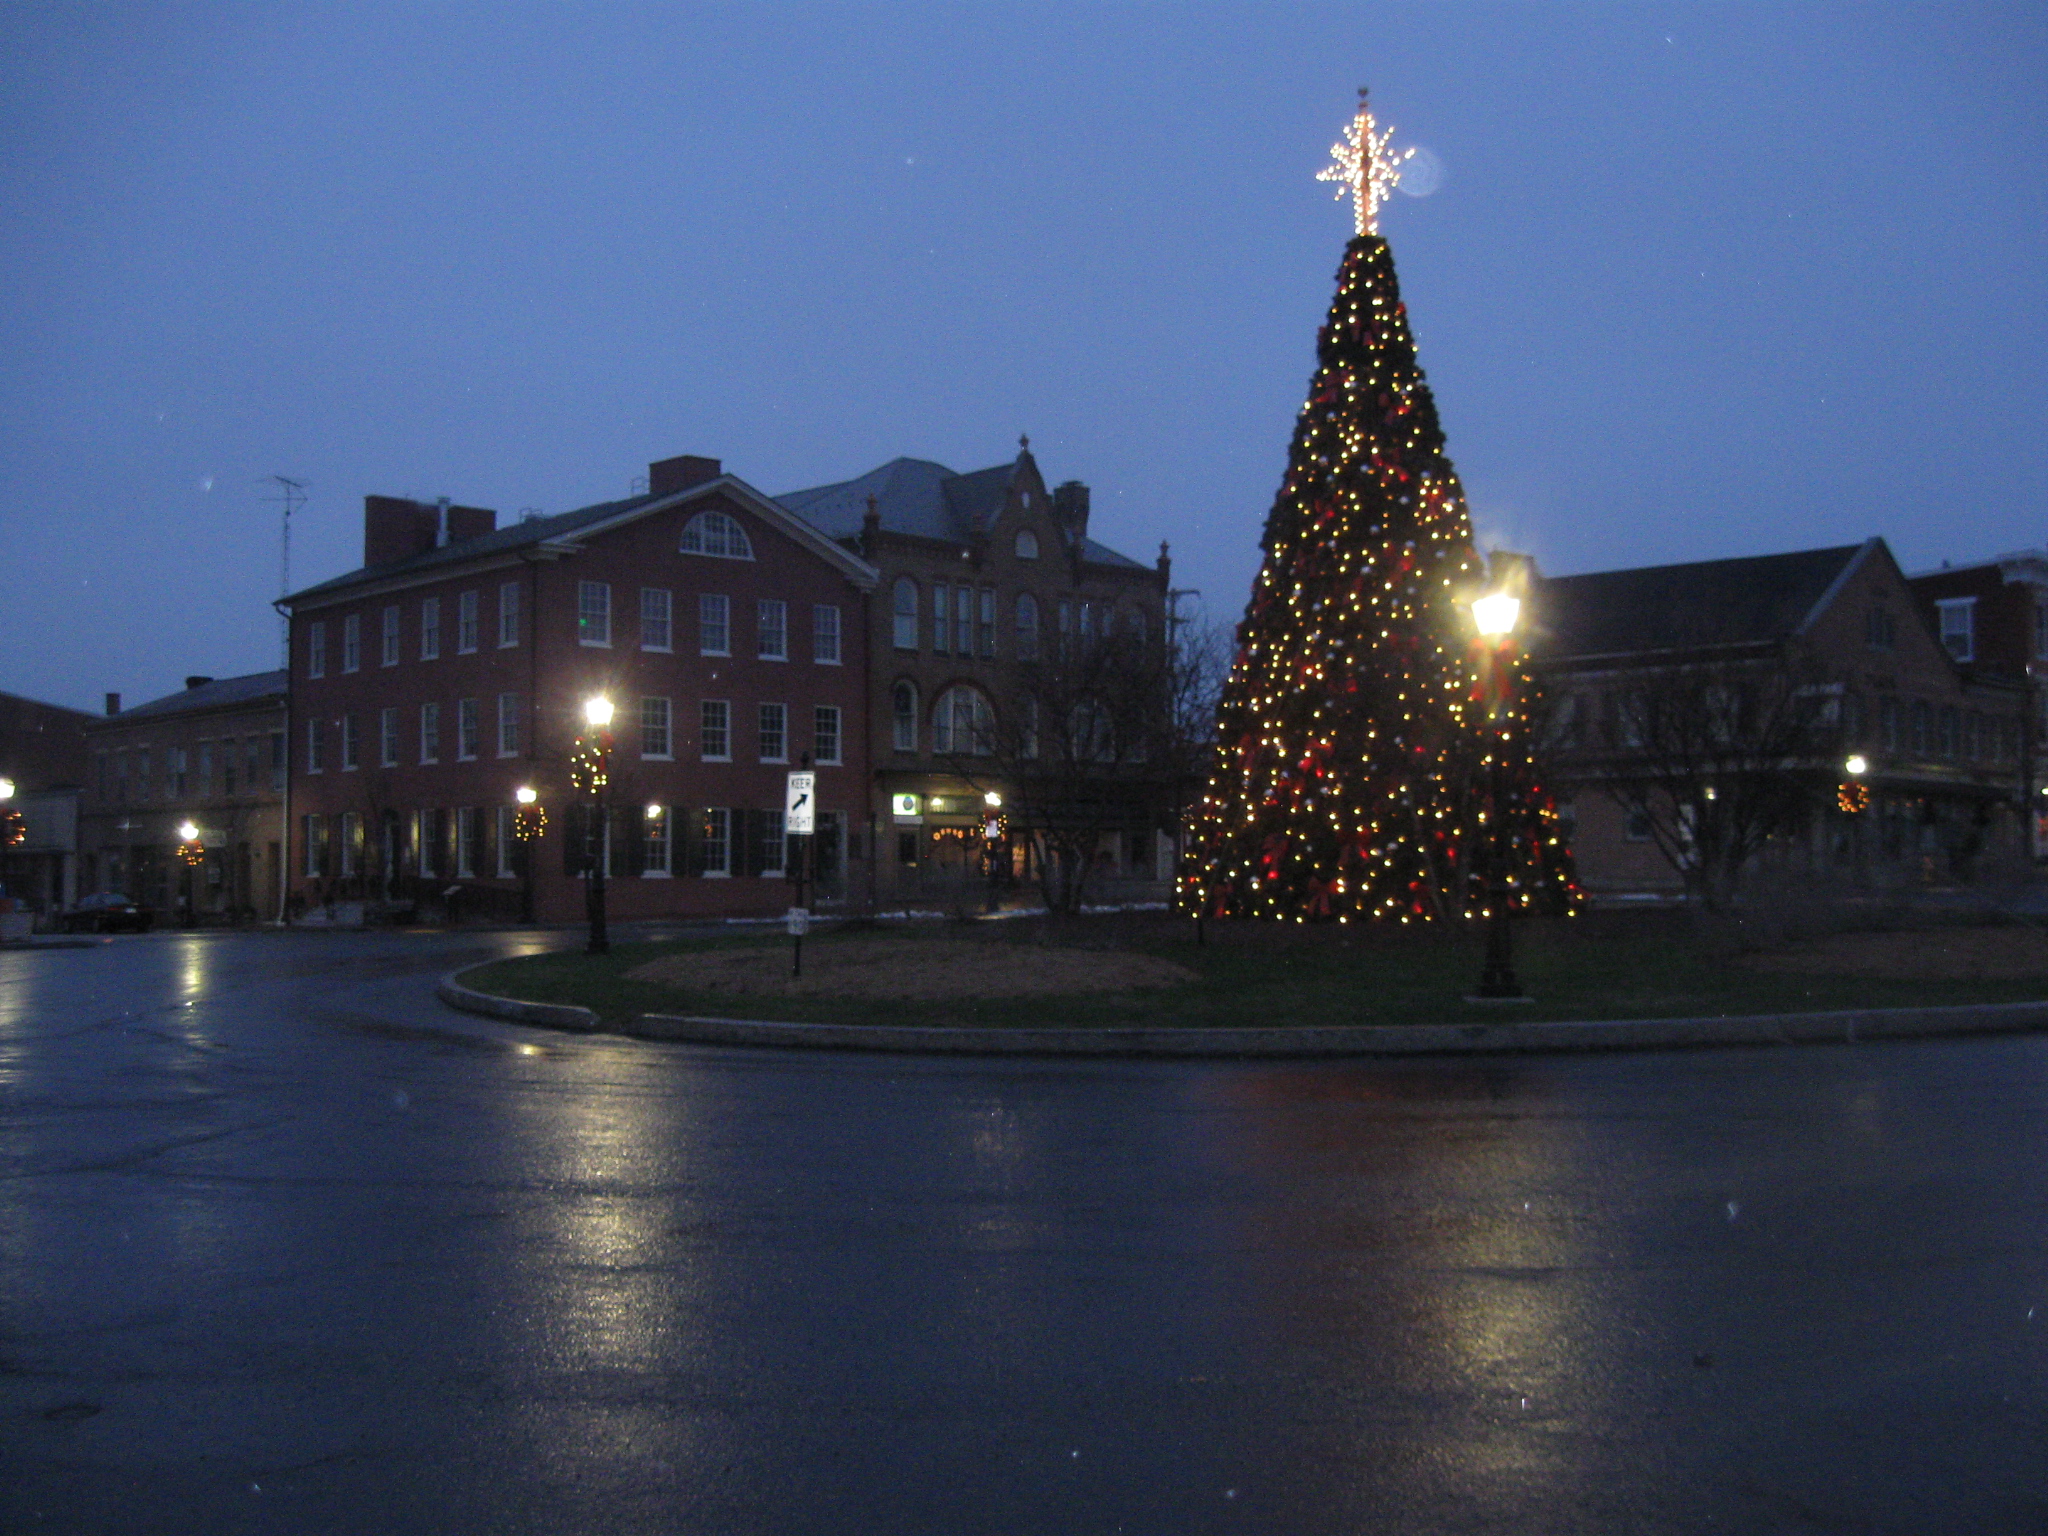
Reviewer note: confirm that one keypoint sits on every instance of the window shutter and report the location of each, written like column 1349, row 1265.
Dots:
column 486, row 842
column 747, row 832
column 634, row 841
column 686, row 855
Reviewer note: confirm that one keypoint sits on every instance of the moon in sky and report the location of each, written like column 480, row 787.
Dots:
column 1421, row 173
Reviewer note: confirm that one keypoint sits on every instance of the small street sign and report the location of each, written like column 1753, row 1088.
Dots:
column 802, row 817
column 799, row 920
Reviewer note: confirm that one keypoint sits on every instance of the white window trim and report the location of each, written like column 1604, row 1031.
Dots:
column 583, row 639
column 511, row 610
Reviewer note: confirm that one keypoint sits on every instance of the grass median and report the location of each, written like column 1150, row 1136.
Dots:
column 1121, row 972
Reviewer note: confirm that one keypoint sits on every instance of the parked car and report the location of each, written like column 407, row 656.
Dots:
column 108, row 912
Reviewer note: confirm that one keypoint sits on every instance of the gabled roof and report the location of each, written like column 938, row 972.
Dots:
column 221, row 693
column 925, row 500
column 566, row 529
column 1756, row 600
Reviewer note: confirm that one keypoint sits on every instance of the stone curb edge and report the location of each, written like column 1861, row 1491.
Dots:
column 1848, row 1026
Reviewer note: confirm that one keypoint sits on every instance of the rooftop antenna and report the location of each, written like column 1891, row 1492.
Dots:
column 292, row 494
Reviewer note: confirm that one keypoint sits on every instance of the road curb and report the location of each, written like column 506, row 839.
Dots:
column 549, row 1015
column 1844, row 1027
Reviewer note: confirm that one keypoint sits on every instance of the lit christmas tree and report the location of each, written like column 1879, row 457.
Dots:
column 1372, row 747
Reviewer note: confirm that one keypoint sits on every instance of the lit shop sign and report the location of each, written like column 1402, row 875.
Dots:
column 909, row 808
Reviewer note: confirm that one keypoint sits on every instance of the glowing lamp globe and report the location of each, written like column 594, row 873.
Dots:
column 526, row 794
column 1857, row 764
column 188, row 832
column 1496, row 613
column 597, row 711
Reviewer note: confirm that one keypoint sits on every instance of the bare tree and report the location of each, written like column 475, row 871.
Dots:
column 1094, row 736
column 1714, row 754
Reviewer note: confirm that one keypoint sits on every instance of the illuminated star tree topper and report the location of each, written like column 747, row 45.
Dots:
column 1364, row 169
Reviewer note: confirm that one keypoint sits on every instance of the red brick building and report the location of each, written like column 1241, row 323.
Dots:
column 211, row 754
column 986, row 579
column 1992, row 618
column 429, row 686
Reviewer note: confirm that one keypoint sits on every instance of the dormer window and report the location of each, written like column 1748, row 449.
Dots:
column 1959, row 627
column 716, row 533
column 1027, row 544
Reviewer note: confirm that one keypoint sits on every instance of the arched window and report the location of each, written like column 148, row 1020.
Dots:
column 715, row 533
column 1093, row 737
column 1027, row 544
column 962, row 723
column 1027, row 627
column 903, row 705
column 906, row 614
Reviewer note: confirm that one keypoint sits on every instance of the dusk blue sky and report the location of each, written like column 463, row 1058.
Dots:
column 1698, row 280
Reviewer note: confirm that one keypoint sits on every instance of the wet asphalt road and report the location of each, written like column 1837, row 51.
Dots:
column 286, row 1246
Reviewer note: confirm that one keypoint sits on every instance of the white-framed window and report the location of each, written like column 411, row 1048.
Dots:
column 825, row 734
column 316, row 754
column 390, row 657
column 714, row 624
column 430, row 733
column 469, row 728
column 314, row 830
column 1958, row 626
column 654, row 619
column 963, row 620
column 772, row 857
column 205, row 784
column 942, row 616
column 771, row 619
column 1093, row 735
column 1087, row 625
column 387, row 737
column 351, row 748
column 430, row 628
column 825, row 633
column 962, row 723
column 467, row 623
column 508, row 725
column 714, row 737
column 985, row 622
column 316, row 648
column 654, row 728
column 904, row 601
column 508, row 615
column 655, row 842
column 350, row 826
column 774, row 724
column 903, row 715
column 352, row 643
column 466, row 829
column 594, row 612
column 715, row 533
column 714, row 842
column 1027, row 544
column 1027, row 627
column 507, row 842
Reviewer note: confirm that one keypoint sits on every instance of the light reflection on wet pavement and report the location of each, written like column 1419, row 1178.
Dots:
column 287, row 1246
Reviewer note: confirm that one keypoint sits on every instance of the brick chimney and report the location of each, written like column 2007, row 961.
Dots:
column 113, row 703
column 667, row 476
column 197, row 682
column 395, row 528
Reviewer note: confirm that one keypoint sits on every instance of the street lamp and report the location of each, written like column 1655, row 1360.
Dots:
column 1495, row 615
column 190, row 852
column 528, row 822
column 591, row 769
column 991, row 837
